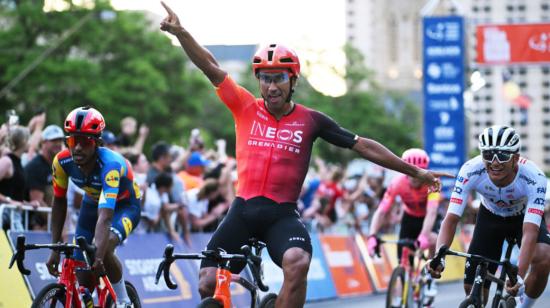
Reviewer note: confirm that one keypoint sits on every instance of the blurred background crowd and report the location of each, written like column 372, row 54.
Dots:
column 186, row 187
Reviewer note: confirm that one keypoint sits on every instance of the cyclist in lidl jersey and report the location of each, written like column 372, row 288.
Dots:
column 274, row 140
column 512, row 191
column 110, row 209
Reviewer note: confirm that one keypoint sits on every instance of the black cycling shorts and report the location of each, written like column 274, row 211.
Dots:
column 276, row 224
column 489, row 234
column 411, row 226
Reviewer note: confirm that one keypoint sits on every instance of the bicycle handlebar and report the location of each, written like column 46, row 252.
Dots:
column 511, row 269
column 219, row 256
column 66, row 248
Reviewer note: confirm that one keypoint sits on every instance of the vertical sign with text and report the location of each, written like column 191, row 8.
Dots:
column 443, row 88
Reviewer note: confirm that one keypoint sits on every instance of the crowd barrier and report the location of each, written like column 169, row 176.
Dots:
column 340, row 267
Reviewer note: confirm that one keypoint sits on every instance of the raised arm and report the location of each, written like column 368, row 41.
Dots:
column 199, row 55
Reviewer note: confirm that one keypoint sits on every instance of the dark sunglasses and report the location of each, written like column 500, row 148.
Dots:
column 277, row 78
column 501, row 156
column 84, row 141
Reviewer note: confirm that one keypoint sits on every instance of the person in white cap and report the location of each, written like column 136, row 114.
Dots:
column 38, row 172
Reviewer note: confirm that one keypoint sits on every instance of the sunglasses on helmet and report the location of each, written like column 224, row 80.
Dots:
column 501, row 156
column 277, row 78
column 84, row 141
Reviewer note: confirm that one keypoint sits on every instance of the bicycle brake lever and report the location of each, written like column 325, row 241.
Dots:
column 512, row 272
column 19, row 256
column 436, row 261
column 165, row 266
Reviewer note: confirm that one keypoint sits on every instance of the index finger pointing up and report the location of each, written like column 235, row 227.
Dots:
column 167, row 8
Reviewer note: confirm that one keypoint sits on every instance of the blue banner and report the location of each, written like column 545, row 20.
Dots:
column 443, row 88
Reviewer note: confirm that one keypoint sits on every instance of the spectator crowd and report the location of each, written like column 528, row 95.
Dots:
column 183, row 190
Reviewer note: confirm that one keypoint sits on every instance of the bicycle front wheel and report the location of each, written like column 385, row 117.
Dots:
column 210, row 302
column 398, row 289
column 132, row 294
column 268, row 301
column 468, row 303
column 52, row 295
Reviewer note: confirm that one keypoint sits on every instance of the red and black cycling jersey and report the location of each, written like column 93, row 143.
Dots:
column 273, row 155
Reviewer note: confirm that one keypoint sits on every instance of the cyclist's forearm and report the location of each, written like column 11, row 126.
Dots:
column 528, row 246
column 102, row 232
column 429, row 220
column 376, row 222
column 380, row 155
column 201, row 57
column 59, row 212
column 448, row 229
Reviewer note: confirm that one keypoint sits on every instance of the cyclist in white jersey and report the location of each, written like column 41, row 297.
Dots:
column 512, row 191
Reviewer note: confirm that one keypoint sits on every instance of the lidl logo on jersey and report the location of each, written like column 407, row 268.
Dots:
column 112, row 178
column 127, row 224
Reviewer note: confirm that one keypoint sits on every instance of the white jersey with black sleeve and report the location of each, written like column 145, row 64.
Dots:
column 525, row 195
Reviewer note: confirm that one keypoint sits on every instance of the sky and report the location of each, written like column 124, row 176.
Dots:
column 314, row 28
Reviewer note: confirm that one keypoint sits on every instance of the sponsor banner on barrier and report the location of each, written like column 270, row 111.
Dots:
column 379, row 268
column 35, row 260
column 517, row 43
column 319, row 281
column 140, row 256
column 344, row 260
column 13, row 291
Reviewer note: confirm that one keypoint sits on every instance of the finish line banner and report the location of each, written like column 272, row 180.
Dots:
column 443, row 88
column 504, row 44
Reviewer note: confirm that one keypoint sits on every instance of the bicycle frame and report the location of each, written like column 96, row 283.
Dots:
column 482, row 272
column 69, row 267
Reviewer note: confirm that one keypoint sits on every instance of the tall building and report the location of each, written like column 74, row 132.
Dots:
column 489, row 105
column 388, row 33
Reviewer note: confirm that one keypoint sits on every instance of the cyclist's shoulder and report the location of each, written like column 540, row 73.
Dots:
column 529, row 172
column 473, row 167
column 63, row 158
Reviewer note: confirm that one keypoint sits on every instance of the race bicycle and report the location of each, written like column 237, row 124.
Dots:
column 476, row 297
column 67, row 292
column 409, row 279
column 251, row 254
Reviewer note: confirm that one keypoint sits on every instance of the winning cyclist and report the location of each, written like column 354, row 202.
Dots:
column 275, row 136
column 110, row 209
column 420, row 220
column 512, row 191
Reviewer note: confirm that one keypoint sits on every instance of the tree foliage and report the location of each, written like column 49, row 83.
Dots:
column 126, row 66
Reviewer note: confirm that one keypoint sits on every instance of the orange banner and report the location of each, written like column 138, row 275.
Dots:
column 521, row 43
column 344, row 262
column 380, row 269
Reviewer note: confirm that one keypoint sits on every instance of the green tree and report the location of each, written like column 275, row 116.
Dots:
column 124, row 66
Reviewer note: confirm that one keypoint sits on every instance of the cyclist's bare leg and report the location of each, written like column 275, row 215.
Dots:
column 207, row 281
column 468, row 288
column 536, row 280
column 295, row 267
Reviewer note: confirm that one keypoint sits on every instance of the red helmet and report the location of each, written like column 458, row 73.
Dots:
column 276, row 56
column 84, row 120
column 417, row 157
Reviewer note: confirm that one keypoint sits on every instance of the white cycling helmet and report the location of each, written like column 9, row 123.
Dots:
column 499, row 137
